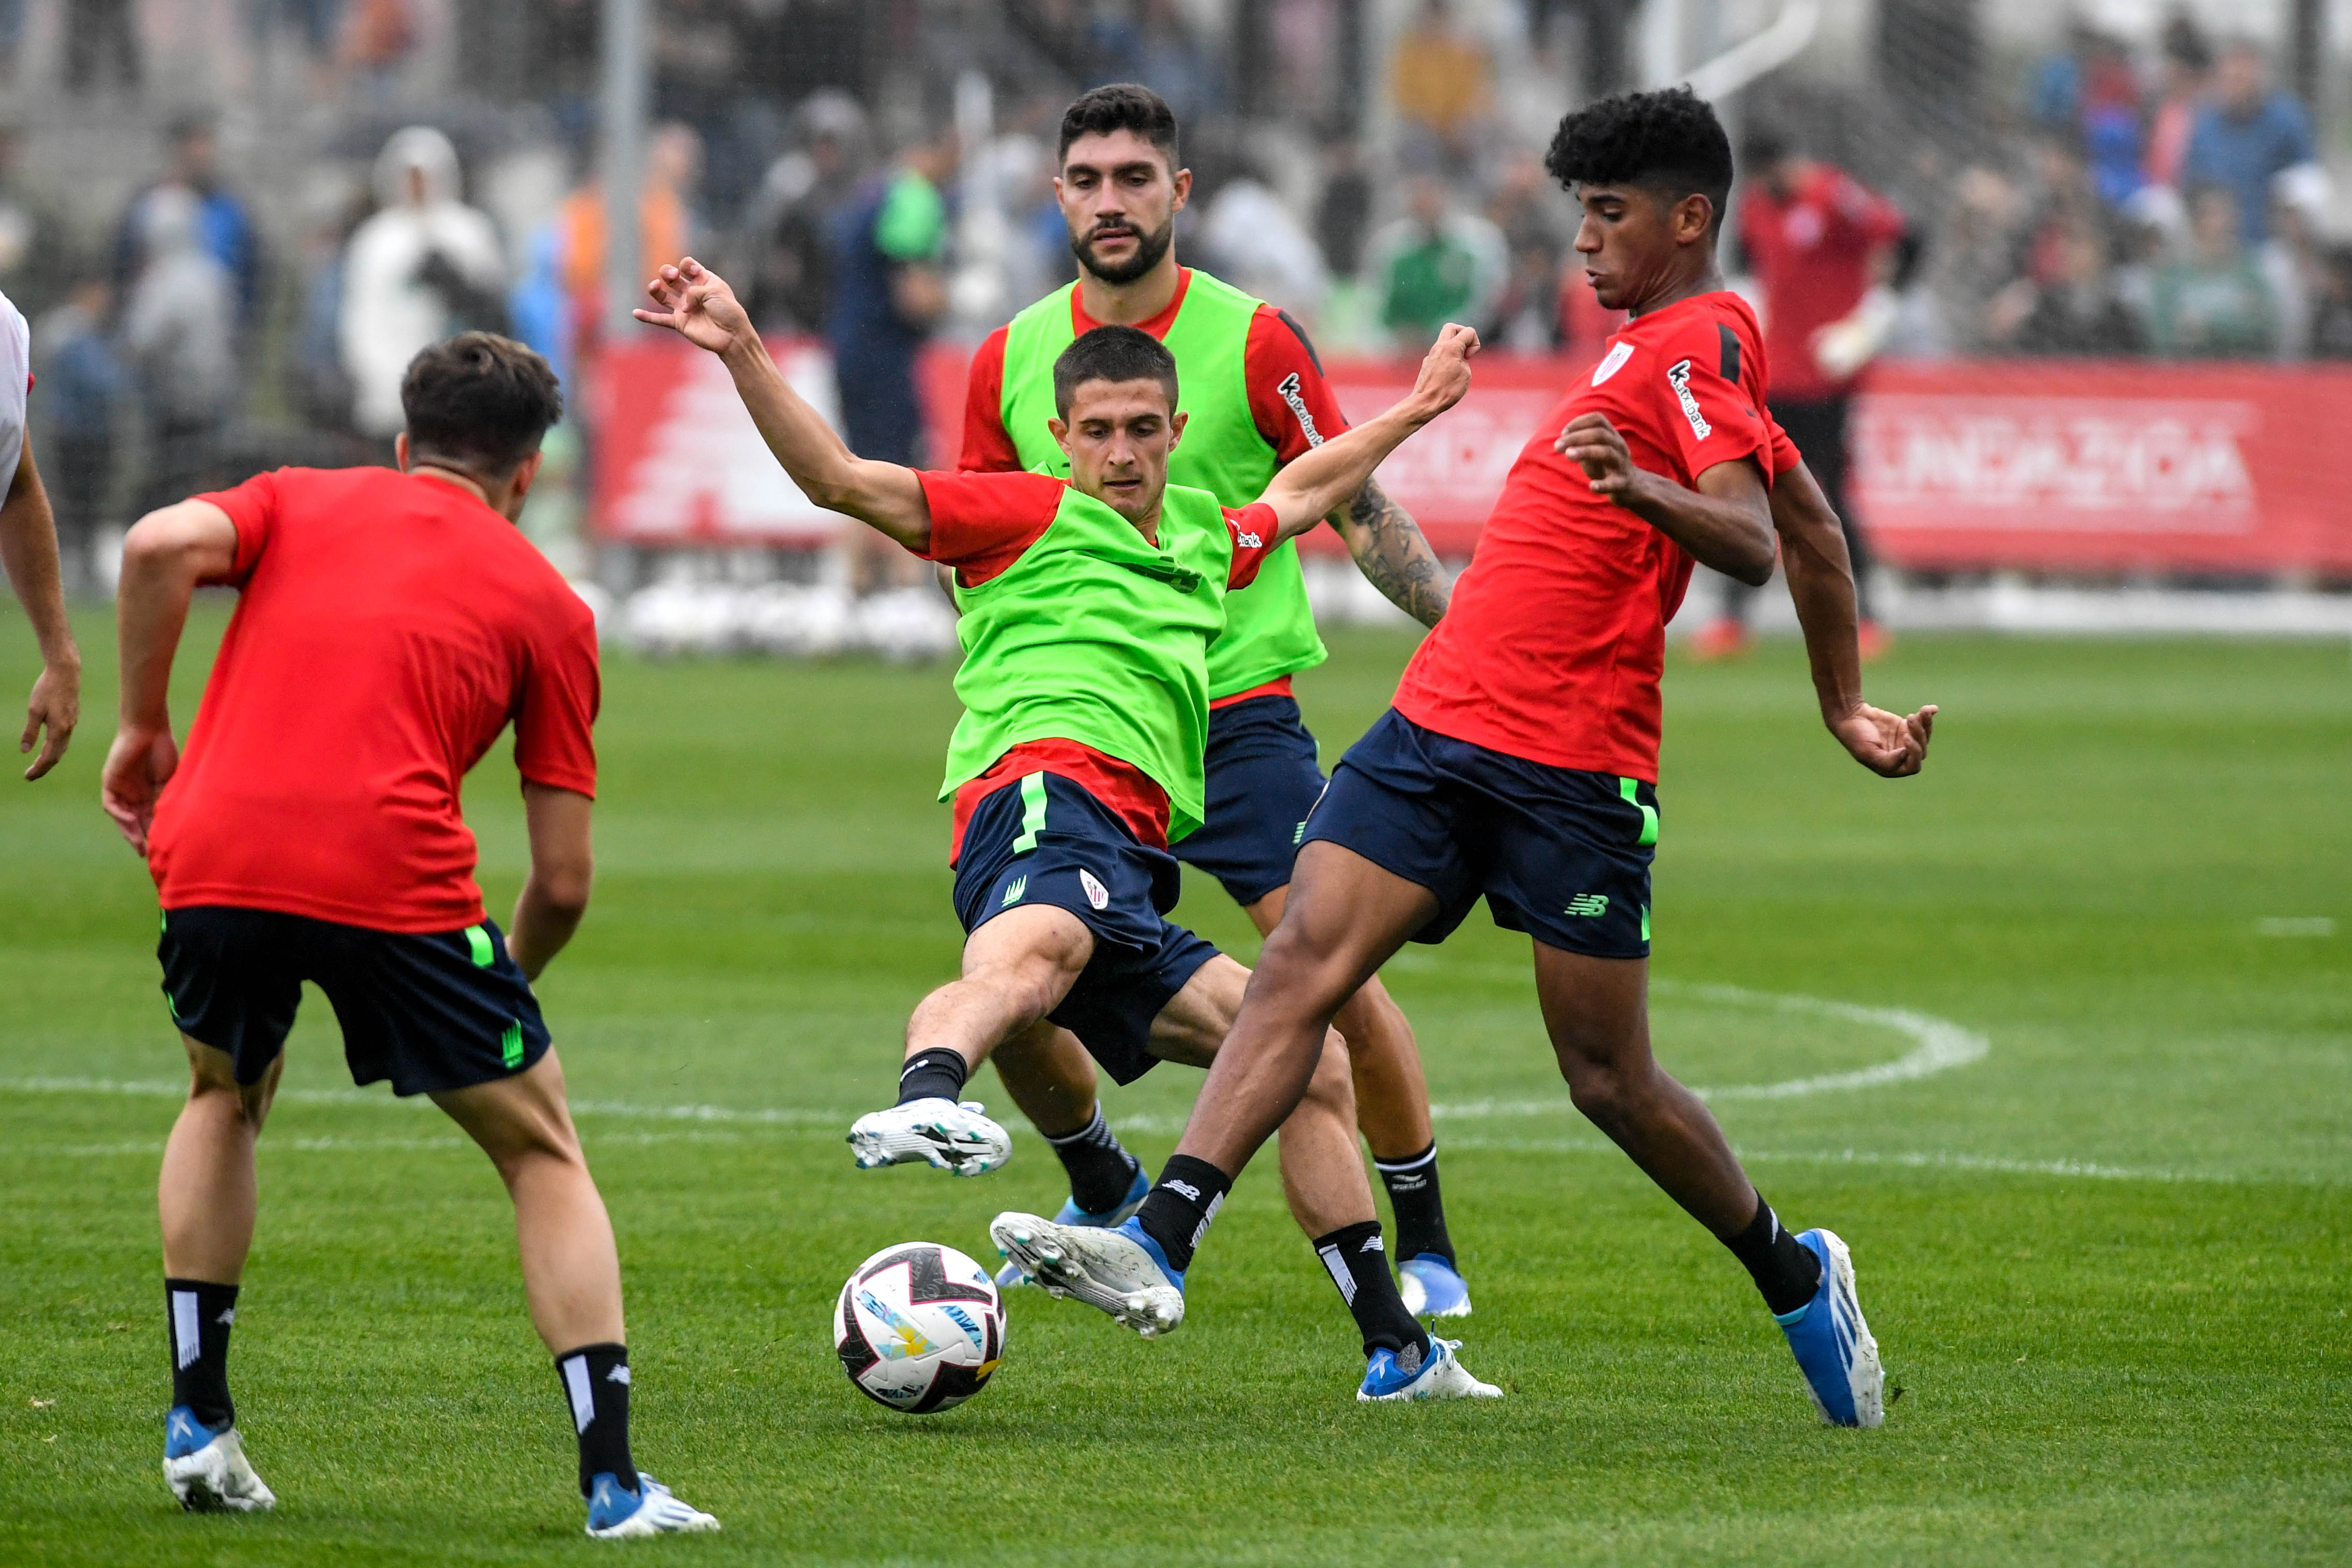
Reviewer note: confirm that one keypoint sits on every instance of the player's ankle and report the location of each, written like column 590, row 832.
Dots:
column 935, row 1074
column 1177, row 1212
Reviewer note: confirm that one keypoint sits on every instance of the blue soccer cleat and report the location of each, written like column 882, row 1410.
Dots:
column 1432, row 1287
column 1012, row 1274
column 616, row 1513
column 1834, row 1350
column 1119, row 1270
column 206, row 1467
column 1439, row 1375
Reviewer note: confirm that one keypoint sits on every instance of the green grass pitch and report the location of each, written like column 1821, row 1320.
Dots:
column 2107, row 1260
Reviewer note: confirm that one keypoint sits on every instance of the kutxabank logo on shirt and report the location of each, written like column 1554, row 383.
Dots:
column 1678, row 376
column 1289, row 389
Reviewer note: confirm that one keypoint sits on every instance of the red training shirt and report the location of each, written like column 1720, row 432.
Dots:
column 388, row 627
column 1556, row 637
column 981, row 525
column 1812, row 251
column 1277, row 364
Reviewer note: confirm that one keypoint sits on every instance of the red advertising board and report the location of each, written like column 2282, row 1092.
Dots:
column 1958, row 466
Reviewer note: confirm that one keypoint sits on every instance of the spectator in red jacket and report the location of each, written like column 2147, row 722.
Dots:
column 1822, row 245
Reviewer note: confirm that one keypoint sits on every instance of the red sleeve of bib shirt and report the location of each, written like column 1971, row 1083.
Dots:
column 252, row 509
column 987, row 447
column 1710, row 420
column 982, row 522
column 1290, row 402
column 1256, row 531
column 555, row 742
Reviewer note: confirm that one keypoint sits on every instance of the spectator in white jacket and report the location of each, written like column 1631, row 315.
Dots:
column 425, row 267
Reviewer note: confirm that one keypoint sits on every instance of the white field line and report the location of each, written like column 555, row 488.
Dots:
column 2088, row 1170
column 330, row 1145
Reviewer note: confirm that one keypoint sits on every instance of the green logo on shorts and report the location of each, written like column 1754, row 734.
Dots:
column 1589, row 903
column 1014, row 890
column 511, row 1043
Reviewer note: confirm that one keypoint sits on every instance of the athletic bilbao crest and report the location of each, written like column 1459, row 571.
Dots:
column 1097, row 893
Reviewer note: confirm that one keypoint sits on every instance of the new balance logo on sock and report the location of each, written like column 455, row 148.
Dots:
column 619, row 1375
column 229, row 1316
column 1014, row 890
column 1372, row 1244
column 1587, row 904
column 1186, row 1187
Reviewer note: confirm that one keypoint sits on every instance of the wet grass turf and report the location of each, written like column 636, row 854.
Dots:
column 2107, row 1260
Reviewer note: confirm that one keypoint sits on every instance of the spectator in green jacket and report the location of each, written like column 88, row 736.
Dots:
column 2213, row 303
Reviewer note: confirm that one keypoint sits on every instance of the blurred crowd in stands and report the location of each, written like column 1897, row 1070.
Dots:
column 2161, row 198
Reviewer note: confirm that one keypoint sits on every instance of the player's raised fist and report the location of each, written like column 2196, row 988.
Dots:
column 1445, row 370
column 695, row 303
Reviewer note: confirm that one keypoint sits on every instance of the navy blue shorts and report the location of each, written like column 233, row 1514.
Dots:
column 435, row 1011
column 1262, row 779
column 1041, row 839
column 1559, row 853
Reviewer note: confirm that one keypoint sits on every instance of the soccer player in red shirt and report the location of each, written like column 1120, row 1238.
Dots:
column 388, row 627
column 1819, row 240
column 1519, row 763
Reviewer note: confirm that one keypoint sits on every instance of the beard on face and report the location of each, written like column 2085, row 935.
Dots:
column 1149, row 249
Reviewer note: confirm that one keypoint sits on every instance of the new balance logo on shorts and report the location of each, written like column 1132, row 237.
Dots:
column 1587, row 904
column 1014, row 890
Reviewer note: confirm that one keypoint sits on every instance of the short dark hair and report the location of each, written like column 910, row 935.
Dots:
column 1119, row 106
column 1112, row 354
column 479, row 403
column 1668, row 140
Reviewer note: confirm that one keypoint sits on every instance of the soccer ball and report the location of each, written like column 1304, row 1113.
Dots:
column 919, row 1327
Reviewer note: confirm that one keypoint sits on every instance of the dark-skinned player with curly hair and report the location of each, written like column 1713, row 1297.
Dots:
column 1519, row 760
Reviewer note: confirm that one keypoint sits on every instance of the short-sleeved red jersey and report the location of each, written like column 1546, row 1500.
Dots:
column 1812, row 251
column 388, row 627
column 1555, row 641
column 981, row 524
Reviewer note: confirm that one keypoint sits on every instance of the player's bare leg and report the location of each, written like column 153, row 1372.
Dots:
column 1017, row 967
column 1597, row 1012
column 1392, row 1109
column 1287, row 1074
column 571, row 1267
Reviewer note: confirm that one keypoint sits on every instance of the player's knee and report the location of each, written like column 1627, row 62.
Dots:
column 1294, row 972
column 1600, row 1093
column 1333, row 1083
column 211, row 1079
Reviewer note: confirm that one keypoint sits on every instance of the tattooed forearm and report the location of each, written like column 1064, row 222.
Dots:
column 1391, row 552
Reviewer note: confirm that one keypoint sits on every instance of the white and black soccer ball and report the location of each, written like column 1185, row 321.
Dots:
column 919, row 1327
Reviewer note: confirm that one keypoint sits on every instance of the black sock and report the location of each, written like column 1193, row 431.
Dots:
column 1101, row 1170
column 1420, row 1210
column 935, row 1074
column 199, row 1315
column 596, row 1382
column 1176, row 1212
column 1360, row 1267
column 1785, row 1269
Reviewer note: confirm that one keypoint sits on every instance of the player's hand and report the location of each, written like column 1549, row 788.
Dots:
column 1889, row 745
column 1445, row 371
column 1596, row 447
column 51, row 715
column 138, row 766
column 695, row 303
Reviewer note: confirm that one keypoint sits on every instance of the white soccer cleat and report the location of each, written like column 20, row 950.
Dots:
column 1441, row 1376
column 207, row 1469
column 1118, row 1270
column 615, row 1513
column 954, row 1137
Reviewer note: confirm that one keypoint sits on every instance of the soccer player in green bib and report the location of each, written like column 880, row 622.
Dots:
column 1255, row 398
column 1088, row 607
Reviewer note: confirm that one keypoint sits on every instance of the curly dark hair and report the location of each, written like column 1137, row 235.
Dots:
column 1119, row 106
column 1669, row 142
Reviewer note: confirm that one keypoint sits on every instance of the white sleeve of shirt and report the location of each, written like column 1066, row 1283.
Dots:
column 15, row 380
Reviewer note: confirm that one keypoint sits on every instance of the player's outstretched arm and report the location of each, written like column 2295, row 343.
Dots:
column 1313, row 487
column 1726, row 523
column 28, row 555
column 697, row 304
column 1387, row 548
column 163, row 559
column 1820, row 581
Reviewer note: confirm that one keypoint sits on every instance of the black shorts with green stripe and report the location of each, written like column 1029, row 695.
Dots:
column 430, row 1010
